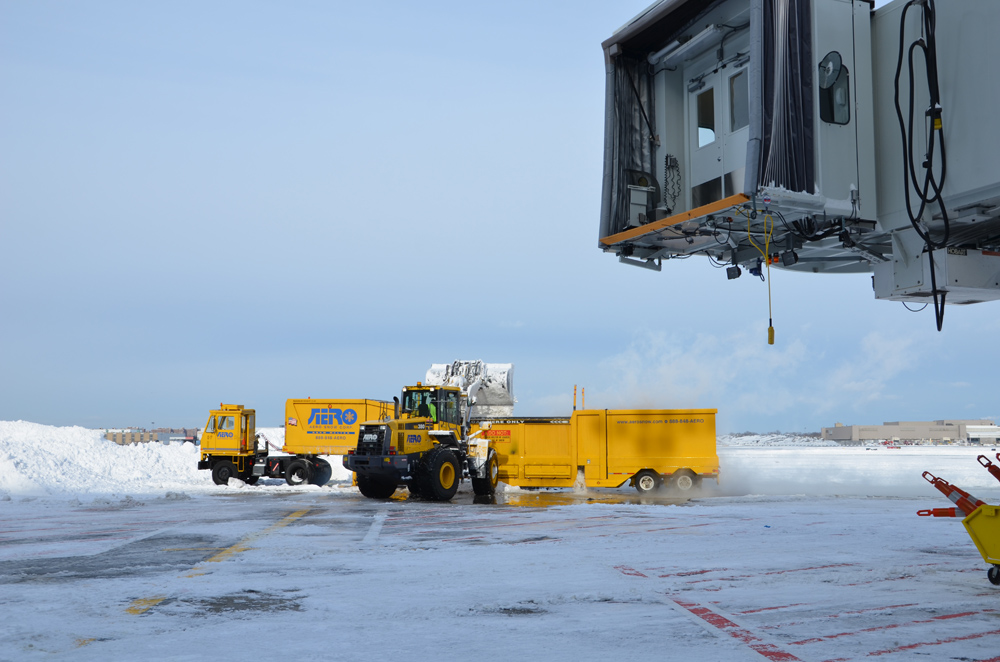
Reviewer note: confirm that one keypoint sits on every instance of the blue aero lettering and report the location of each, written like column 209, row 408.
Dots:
column 228, row 435
column 332, row 416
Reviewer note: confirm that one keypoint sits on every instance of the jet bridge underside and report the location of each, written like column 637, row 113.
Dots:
column 756, row 132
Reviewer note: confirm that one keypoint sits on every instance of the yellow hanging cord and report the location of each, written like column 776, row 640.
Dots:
column 767, row 261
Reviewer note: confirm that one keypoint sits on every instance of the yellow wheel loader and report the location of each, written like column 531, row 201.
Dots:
column 426, row 447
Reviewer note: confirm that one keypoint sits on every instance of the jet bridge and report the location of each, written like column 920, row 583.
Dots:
column 812, row 135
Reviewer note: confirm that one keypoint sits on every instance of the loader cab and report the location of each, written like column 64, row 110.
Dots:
column 442, row 404
column 230, row 430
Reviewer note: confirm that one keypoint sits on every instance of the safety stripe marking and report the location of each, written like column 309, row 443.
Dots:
column 949, row 640
column 890, row 626
column 770, row 651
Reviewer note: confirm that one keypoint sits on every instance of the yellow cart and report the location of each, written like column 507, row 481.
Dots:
column 983, row 525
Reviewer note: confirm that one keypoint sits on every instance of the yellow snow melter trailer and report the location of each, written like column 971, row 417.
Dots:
column 648, row 448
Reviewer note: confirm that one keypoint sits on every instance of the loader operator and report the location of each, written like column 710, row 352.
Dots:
column 428, row 409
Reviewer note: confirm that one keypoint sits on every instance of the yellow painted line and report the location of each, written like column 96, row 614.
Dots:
column 80, row 643
column 142, row 605
column 244, row 544
column 191, row 549
column 655, row 226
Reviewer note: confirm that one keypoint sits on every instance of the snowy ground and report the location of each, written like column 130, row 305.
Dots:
column 804, row 553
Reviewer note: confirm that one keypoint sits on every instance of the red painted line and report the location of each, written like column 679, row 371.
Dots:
column 631, row 572
column 891, row 626
column 756, row 611
column 770, row 651
column 862, row 611
column 818, row 567
column 457, row 539
column 949, row 640
column 694, row 572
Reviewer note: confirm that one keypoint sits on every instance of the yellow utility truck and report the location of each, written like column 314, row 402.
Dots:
column 426, row 447
column 232, row 448
column 648, row 448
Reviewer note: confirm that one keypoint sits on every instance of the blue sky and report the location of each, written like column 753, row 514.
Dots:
column 252, row 201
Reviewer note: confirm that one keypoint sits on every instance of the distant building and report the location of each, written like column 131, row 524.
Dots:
column 920, row 432
column 162, row 435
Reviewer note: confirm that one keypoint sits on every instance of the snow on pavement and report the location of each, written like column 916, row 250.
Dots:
column 801, row 554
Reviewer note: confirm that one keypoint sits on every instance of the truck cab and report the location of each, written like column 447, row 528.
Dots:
column 229, row 444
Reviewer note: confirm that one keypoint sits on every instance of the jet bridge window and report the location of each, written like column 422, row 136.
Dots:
column 739, row 101
column 706, row 117
column 834, row 90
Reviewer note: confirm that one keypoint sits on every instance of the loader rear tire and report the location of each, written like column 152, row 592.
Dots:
column 440, row 474
column 488, row 486
column 647, row 481
column 299, row 472
column 323, row 473
column 222, row 471
column 374, row 487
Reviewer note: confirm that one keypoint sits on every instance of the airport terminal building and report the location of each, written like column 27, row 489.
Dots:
column 917, row 432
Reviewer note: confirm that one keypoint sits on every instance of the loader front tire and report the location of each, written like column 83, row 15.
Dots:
column 374, row 487
column 487, row 486
column 441, row 474
column 323, row 473
column 299, row 472
column 647, row 481
column 222, row 471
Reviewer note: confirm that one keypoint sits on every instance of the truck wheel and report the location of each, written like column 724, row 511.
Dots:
column 487, row 486
column 993, row 574
column 414, row 487
column 299, row 472
column 323, row 473
column 222, row 471
column 375, row 487
column 647, row 481
column 684, row 481
column 250, row 479
column 441, row 474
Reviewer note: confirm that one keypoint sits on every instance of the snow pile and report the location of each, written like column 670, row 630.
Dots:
column 772, row 439
column 42, row 459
